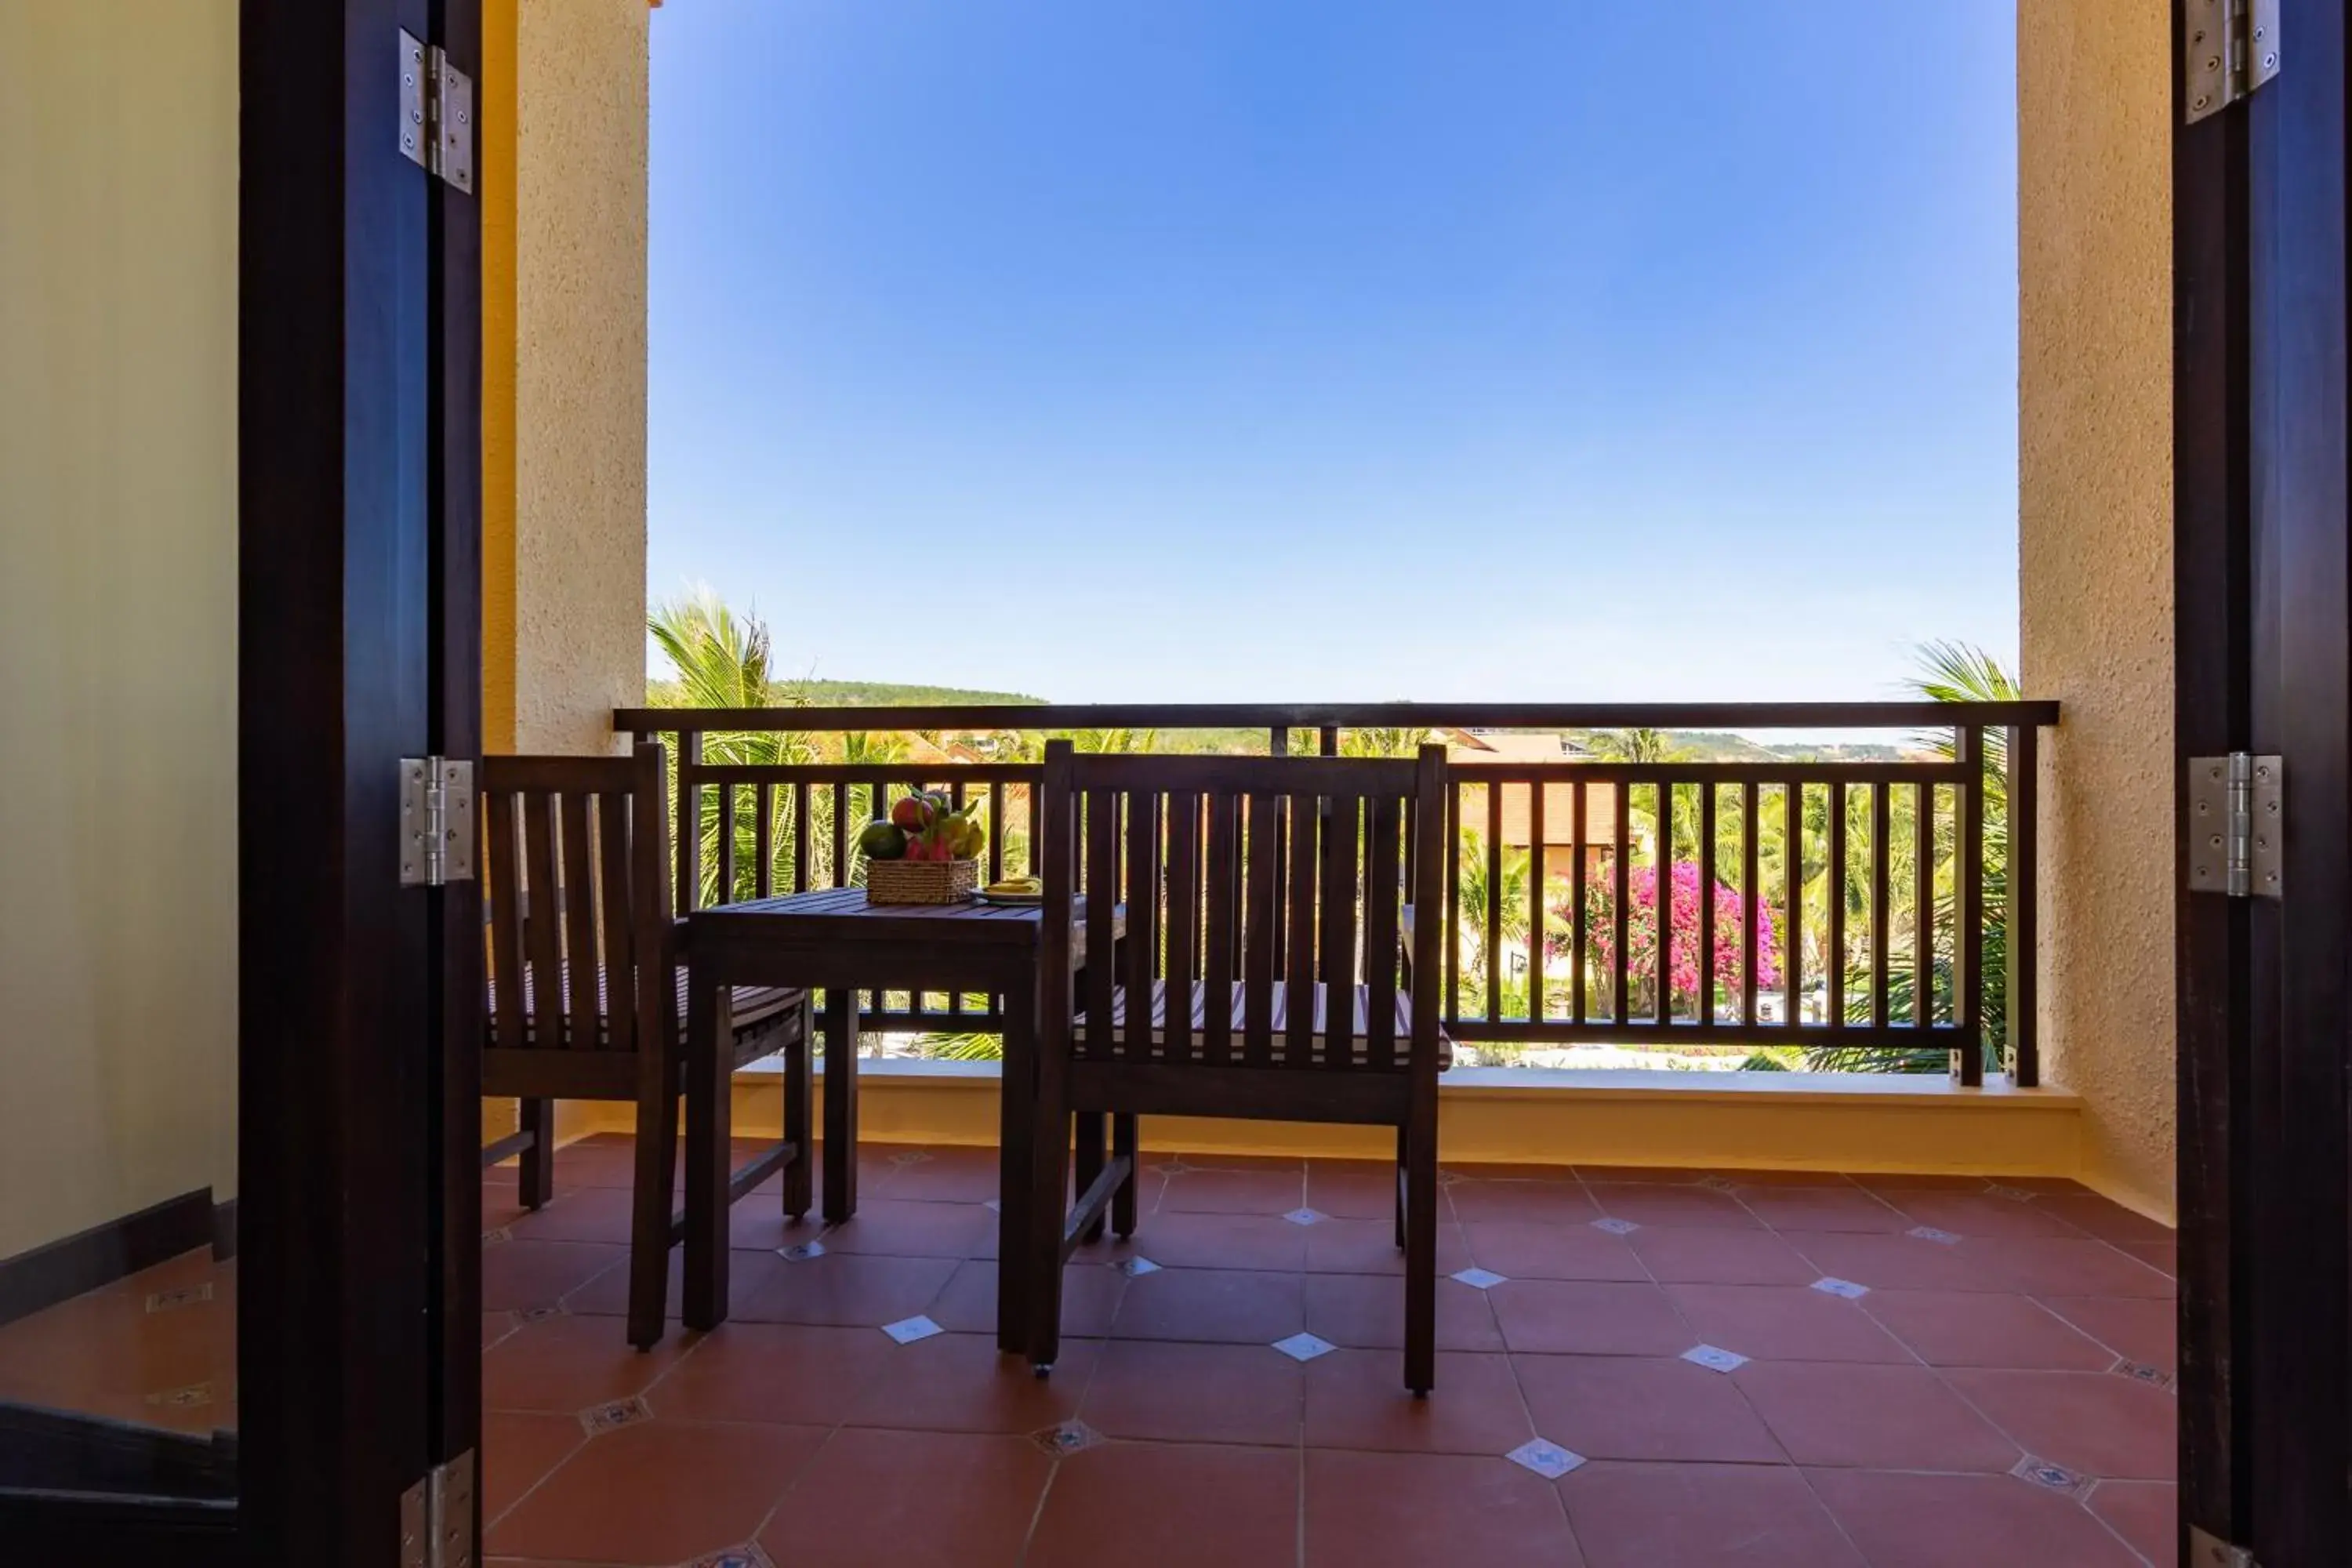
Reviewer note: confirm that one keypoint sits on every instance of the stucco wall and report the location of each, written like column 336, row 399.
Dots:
column 564, row 222
column 118, row 608
column 2094, row 531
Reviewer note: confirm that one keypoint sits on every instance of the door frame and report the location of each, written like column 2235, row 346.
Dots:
column 359, row 643
column 2262, row 659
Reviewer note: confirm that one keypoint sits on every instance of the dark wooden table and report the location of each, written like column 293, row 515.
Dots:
column 835, row 942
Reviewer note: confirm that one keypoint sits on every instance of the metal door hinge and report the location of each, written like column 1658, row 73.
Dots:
column 2237, row 820
column 436, row 112
column 2230, row 47
column 436, row 822
column 436, row 1517
column 2210, row 1552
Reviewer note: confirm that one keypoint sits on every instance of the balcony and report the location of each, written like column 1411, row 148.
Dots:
column 1713, row 1310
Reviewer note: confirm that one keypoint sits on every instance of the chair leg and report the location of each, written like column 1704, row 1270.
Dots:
column 800, row 1176
column 1420, row 1250
column 1124, row 1141
column 1398, row 1184
column 652, row 1197
column 536, row 1184
column 1089, row 1160
column 1049, row 1177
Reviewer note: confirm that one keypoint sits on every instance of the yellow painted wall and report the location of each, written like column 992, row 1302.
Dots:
column 564, row 128
column 2094, row 527
column 118, row 608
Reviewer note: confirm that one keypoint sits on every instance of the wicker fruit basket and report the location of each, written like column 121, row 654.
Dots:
column 921, row 882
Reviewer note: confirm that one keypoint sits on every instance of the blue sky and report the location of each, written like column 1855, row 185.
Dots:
column 1287, row 350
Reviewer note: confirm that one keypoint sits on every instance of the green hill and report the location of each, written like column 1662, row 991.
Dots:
column 885, row 693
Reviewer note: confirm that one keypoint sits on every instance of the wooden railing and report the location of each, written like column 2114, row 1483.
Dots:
column 1649, row 904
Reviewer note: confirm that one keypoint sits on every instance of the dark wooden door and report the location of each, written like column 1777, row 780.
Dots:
column 2264, row 628
column 357, row 1223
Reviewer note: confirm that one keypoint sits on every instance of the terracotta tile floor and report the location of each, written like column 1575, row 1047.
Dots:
column 158, row 1348
column 1988, row 1380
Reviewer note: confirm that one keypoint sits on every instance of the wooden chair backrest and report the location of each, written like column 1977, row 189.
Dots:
column 576, row 862
column 1261, row 872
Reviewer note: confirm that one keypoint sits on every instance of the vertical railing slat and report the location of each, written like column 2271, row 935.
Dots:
column 1535, row 914
column 2023, row 919
column 1968, row 943
column 725, row 885
column 1793, row 866
column 689, row 822
column 1923, row 905
column 1706, row 999
column 1491, row 948
column 763, row 841
column 1882, row 877
column 1664, row 869
column 1452, row 904
column 1579, row 935
column 1621, row 1004
column 1835, row 977
column 1751, row 899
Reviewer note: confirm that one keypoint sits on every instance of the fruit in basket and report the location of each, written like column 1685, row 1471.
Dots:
column 883, row 841
column 933, row 829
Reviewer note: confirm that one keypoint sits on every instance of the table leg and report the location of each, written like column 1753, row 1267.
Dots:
column 710, row 1151
column 1014, row 1155
column 840, row 1105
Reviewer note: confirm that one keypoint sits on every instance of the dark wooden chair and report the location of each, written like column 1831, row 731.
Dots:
column 1259, row 979
column 587, row 999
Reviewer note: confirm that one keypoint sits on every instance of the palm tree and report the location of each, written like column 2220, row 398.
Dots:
column 1636, row 745
column 1512, row 887
column 1396, row 743
column 719, row 659
column 1948, row 672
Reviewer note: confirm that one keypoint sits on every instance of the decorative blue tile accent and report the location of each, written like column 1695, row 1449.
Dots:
column 619, row 1413
column 186, row 1296
column 496, row 1236
column 1714, row 1358
column 2042, row 1473
column 1305, row 1347
column 1549, row 1460
column 1137, row 1267
column 2014, row 1195
column 907, row 1331
column 747, row 1555
column 993, row 1206
column 193, row 1396
column 1067, row 1437
column 2141, row 1371
column 801, row 1251
column 1930, row 1232
column 1482, row 1278
column 1616, row 1226
column 1306, row 1216
column 1845, row 1287
column 909, row 1157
